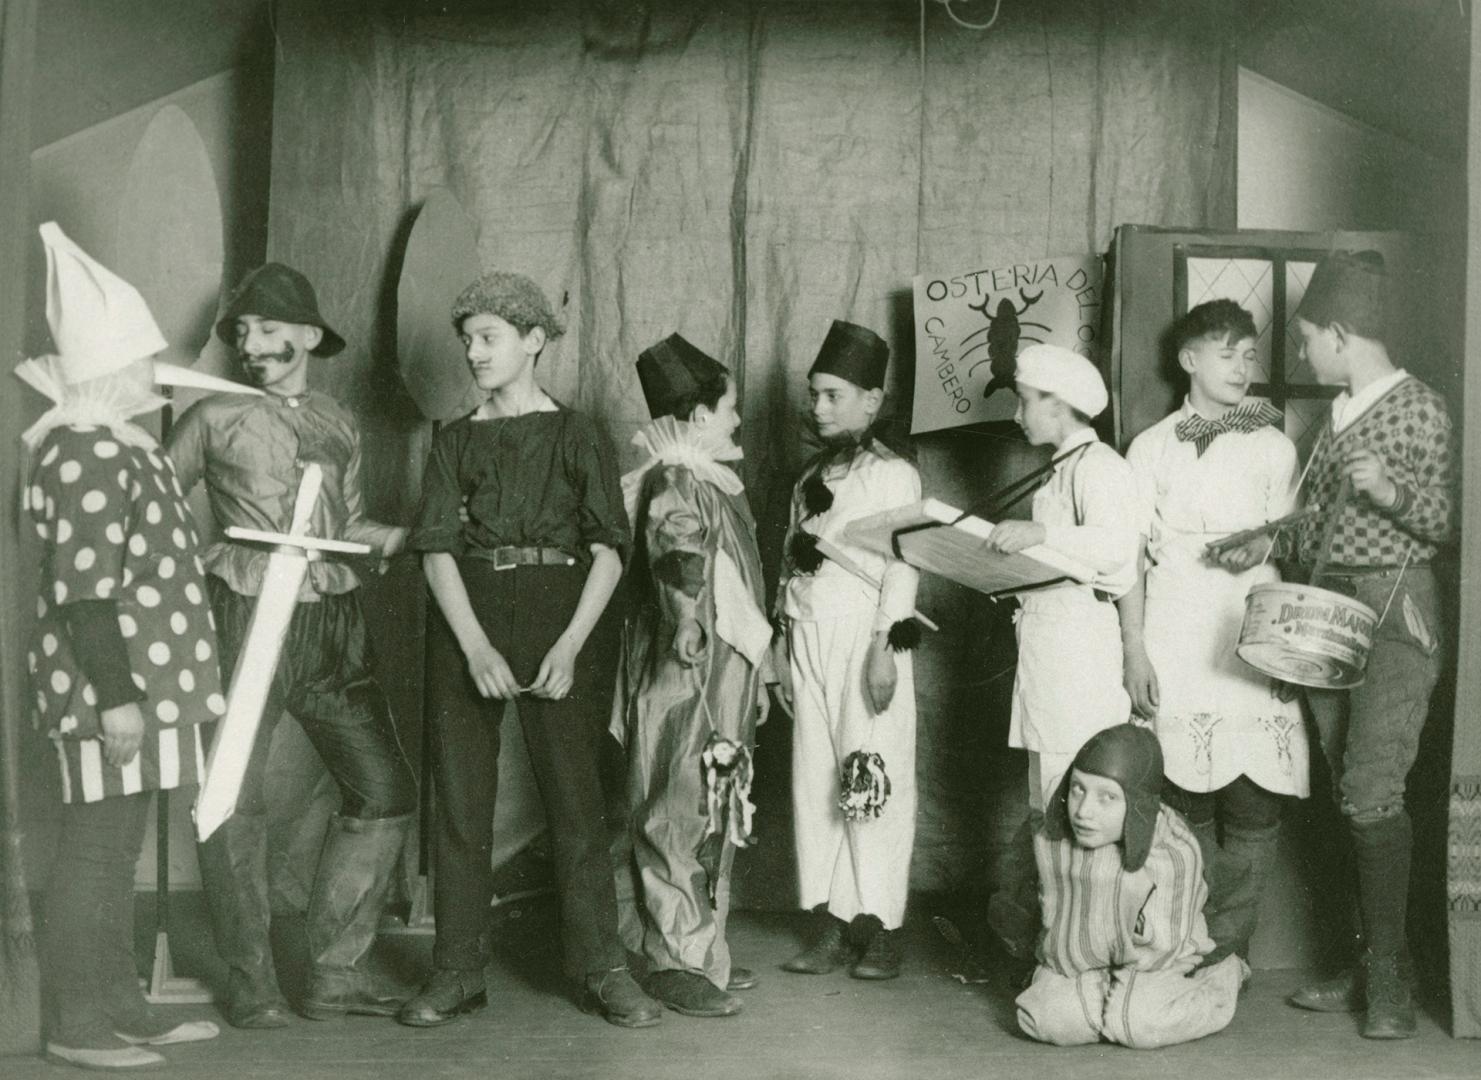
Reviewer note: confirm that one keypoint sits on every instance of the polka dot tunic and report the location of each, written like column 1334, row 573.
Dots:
column 114, row 526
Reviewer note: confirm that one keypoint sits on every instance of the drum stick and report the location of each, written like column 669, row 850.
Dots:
column 828, row 551
column 1213, row 547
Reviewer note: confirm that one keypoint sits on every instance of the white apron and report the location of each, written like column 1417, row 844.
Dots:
column 1217, row 717
column 1069, row 684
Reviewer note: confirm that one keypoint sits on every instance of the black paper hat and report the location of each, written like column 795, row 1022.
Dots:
column 1348, row 288
column 854, row 353
column 1130, row 755
column 278, row 292
column 673, row 372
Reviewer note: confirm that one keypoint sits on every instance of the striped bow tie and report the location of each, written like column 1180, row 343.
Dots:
column 1202, row 432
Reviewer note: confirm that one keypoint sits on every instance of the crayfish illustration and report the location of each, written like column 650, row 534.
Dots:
column 1003, row 332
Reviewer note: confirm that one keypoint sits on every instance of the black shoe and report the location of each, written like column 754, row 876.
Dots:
column 1341, row 994
column 690, row 994
column 881, row 959
column 742, row 979
column 448, row 995
column 619, row 1000
column 826, row 953
column 1390, row 999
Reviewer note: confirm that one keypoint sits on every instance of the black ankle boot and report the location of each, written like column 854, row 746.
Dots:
column 1390, row 998
column 829, row 950
column 881, row 953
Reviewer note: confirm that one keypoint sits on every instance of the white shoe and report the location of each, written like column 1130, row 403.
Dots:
column 188, row 1032
column 124, row 1057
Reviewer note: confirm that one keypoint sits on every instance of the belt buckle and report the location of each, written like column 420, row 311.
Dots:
column 508, row 552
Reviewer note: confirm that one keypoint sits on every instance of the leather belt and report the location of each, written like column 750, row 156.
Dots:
column 508, row 557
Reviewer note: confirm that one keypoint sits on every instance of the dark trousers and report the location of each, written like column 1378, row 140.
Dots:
column 92, row 985
column 1370, row 736
column 523, row 611
column 325, row 678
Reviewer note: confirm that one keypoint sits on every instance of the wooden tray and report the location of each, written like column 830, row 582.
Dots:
column 958, row 550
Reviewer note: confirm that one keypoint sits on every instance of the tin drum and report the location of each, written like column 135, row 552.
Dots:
column 1304, row 635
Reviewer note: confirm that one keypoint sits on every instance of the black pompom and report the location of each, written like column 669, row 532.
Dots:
column 817, row 497
column 803, row 553
column 904, row 635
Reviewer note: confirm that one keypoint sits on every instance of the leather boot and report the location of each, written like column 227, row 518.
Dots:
column 618, row 999
column 1389, row 998
column 448, row 994
column 827, row 952
column 1244, row 863
column 691, row 994
column 881, row 954
column 344, row 911
column 234, row 874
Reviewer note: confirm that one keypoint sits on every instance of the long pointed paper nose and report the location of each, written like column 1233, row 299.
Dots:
column 175, row 375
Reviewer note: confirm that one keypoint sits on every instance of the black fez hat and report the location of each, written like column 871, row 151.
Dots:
column 1130, row 755
column 1348, row 288
column 672, row 373
column 278, row 292
column 854, row 353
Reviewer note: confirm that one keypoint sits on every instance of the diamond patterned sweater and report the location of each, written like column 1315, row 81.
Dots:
column 1409, row 429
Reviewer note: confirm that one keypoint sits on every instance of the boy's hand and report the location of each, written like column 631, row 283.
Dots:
column 557, row 672
column 879, row 673
column 1364, row 470
column 689, row 642
column 491, row 674
column 781, row 669
column 123, row 732
column 1140, row 679
column 1241, row 557
column 1012, row 536
column 396, row 542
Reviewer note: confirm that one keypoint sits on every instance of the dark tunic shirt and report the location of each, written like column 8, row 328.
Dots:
column 543, row 479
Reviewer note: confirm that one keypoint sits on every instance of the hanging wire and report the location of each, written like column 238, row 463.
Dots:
column 964, row 24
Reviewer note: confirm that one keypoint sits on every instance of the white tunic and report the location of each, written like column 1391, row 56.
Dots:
column 1069, row 681
column 1217, row 718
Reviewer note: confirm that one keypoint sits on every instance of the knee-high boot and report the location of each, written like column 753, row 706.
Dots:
column 234, row 872
column 344, row 911
column 1383, row 856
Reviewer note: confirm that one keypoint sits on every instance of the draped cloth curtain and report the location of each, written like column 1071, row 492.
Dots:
column 20, row 1004
column 741, row 176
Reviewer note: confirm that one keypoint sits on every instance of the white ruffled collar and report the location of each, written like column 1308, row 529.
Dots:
column 669, row 441
column 102, row 402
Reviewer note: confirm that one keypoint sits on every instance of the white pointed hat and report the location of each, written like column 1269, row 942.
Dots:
column 99, row 322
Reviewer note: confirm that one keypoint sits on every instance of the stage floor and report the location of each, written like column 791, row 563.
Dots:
column 926, row 1025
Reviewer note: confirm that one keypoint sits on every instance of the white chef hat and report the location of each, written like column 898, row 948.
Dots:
column 1067, row 375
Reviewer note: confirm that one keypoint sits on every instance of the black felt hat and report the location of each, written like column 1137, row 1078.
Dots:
column 854, row 353
column 1130, row 755
column 278, row 292
column 673, row 372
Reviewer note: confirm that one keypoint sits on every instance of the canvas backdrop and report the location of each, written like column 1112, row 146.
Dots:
column 741, row 176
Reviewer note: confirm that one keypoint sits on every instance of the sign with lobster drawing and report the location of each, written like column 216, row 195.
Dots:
column 970, row 326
